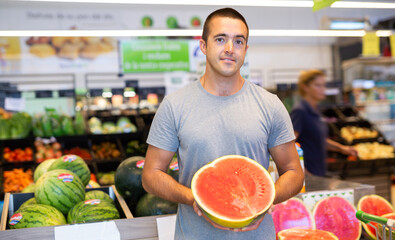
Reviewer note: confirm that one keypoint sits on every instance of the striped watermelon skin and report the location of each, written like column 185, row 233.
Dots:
column 75, row 164
column 54, row 188
column 85, row 212
column 42, row 168
column 37, row 215
column 28, row 202
column 97, row 194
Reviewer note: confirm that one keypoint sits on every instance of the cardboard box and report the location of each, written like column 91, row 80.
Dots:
column 12, row 201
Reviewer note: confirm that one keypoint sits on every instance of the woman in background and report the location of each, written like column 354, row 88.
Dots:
column 310, row 128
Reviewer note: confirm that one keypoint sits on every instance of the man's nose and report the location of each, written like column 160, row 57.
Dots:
column 229, row 47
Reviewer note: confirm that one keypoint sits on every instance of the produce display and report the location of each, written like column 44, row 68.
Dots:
column 59, row 188
column 53, row 124
column 17, row 179
column 374, row 150
column 375, row 205
column 337, row 215
column 36, row 215
column 123, row 125
column 83, row 153
column 135, row 148
column 18, row 154
column 47, row 149
column 128, row 180
column 106, row 150
column 93, row 210
column 14, row 125
column 292, row 214
column 106, row 178
column 304, row 234
column 151, row 205
column 92, row 184
column 349, row 133
column 74, row 164
column 233, row 190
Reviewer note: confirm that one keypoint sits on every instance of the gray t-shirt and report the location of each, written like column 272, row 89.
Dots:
column 201, row 127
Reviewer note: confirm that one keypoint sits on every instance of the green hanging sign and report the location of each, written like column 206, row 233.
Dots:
column 320, row 4
column 154, row 56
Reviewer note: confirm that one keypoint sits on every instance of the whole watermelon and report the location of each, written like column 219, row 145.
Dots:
column 150, row 205
column 75, row 164
column 42, row 168
column 36, row 215
column 29, row 188
column 93, row 210
column 28, row 202
column 128, row 180
column 59, row 188
column 97, row 194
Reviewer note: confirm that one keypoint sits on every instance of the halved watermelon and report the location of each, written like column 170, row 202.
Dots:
column 292, row 214
column 375, row 205
column 337, row 215
column 304, row 234
column 233, row 191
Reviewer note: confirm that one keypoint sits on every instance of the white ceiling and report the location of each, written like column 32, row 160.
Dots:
column 12, row 16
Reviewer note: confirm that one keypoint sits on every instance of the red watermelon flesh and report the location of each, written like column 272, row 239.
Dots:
column 375, row 205
column 292, row 214
column 304, row 234
column 337, row 215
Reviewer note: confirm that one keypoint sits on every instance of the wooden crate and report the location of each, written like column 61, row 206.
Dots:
column 13, row 201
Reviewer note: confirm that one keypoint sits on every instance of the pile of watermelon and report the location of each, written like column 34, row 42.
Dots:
column 59, row 194
column 332, row 218
column 129, row 185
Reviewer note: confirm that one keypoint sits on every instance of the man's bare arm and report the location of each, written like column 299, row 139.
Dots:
column 158, row 182
column 289, row 169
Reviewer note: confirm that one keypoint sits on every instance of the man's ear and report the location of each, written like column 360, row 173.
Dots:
column 203, row 46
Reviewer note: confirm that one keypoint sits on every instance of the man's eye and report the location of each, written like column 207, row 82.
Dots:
column 239, row 42
column 219, row 39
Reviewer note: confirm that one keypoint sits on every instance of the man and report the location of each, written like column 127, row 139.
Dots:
column 218, row 115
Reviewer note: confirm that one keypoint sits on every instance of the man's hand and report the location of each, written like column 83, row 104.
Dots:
column 254, row 226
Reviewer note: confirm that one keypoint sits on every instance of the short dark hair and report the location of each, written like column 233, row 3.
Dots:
column 223, row 12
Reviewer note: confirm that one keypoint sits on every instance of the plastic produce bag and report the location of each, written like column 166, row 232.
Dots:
column 54, row 119
column 79, row 123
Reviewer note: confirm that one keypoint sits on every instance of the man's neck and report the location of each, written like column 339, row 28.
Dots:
column 222, row 86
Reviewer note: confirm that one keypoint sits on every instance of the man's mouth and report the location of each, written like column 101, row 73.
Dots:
column 227, row 59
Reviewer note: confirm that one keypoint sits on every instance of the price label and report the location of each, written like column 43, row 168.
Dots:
column 96, row 92
column 67, row 93
column 392, row 44
column 132, row 83
column 43, row 94
column 117, row 91
column 371, row 45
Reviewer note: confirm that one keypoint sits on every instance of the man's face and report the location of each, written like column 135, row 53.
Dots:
column 226, row 46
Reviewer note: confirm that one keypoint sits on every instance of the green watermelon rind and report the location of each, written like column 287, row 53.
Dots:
column 325, row 199
column 28, row 202
column 78, row 166
column 97, row 194
column 29, row 188
column 150, row 205
column 31, row 217
column 330, row 236
column 225, row 221
column 54, row 192
column 359, row 208
column 86, row 213
column 42, row 168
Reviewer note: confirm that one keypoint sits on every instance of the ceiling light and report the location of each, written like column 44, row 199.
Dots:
column 247, row 3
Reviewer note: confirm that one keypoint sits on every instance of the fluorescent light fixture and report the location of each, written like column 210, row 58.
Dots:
column 348, row 25
column 247, row 3
column 187, row 33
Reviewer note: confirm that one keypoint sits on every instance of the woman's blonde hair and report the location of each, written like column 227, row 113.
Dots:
column 306, row 77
